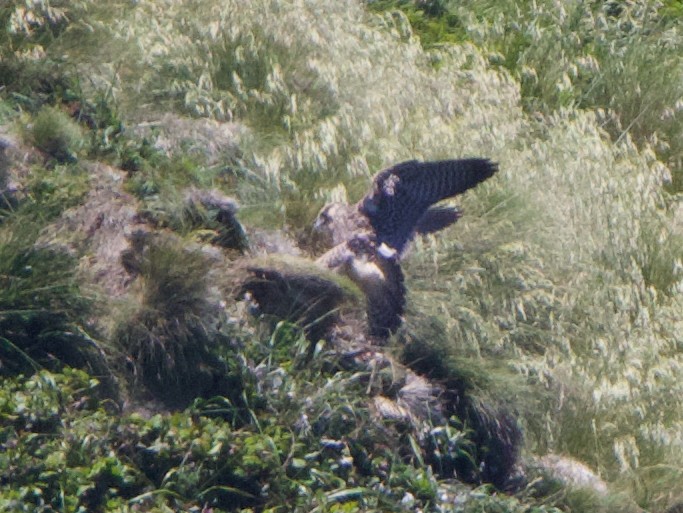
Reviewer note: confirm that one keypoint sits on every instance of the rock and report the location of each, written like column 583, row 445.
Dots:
column 569, row 472
column 215, row 210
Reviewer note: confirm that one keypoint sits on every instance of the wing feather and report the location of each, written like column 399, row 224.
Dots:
column 402, row 194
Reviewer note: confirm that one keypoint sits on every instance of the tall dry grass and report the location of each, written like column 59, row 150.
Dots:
column 566, row 268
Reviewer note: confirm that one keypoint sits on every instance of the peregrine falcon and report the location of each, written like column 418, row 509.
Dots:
column 370, row 237
column 377, row 272
column 367, row 241
column 400, row 202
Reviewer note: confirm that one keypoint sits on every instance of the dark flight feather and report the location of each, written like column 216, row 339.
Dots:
column 403, row 194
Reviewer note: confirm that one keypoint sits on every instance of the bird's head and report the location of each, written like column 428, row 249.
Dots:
column 369, row 205
column 328, row 228
column 325, row 217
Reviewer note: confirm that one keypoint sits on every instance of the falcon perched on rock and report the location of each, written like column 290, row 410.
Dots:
column 370, row 237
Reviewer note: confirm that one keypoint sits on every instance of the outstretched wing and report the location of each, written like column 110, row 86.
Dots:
column 436, row 219
column 402, row 194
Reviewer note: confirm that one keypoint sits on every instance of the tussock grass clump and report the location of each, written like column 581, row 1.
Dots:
column 206, row 214
column 212, row 210
column 55, row 133
column 173, row 339
column 43, row 312
column 565, row 270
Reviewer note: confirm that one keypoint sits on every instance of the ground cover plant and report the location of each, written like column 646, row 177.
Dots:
column 552, row 307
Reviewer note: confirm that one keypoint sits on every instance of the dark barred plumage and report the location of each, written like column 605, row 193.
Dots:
column 383, row 286
column 403, row 194
column 368, row 239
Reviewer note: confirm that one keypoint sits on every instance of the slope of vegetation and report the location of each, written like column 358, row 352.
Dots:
column 555, row 304
column 618, row 59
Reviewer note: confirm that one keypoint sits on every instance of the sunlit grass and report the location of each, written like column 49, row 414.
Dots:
column 616, row 58
column 563, row 278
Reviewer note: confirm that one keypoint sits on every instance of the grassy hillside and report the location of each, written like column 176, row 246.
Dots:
column 135, row 380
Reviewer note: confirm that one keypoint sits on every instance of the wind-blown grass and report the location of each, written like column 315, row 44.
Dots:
column 622, row 59
column 43, row 313
column 560, row 288
column 566, row 267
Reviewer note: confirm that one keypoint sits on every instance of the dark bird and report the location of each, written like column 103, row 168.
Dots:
column 289, row 293
column 377, row 273
column 369, row 237
column 367, row 241
column 400, row 202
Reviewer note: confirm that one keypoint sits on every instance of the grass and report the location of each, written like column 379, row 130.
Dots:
column 172, row 338
column 557, row 295
column 43, row 313
column 434, row 21
column 614, row 58
column 54, row 133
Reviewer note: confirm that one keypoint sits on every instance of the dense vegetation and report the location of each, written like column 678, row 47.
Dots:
column 133, row 380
